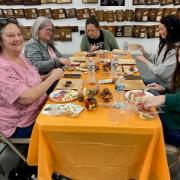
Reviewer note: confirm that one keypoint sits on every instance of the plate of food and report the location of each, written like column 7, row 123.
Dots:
column 63, row 95
column 130, row 69
column 137, row 96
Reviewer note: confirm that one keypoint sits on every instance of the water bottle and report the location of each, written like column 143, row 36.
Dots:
column 125, row 46
column 119, row 93
column 114, row 65
column 91, row 71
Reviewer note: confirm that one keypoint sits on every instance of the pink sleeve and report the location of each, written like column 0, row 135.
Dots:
column 11, row 85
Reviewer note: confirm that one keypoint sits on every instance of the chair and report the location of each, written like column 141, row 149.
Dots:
column 10, row 142
column 173, row 151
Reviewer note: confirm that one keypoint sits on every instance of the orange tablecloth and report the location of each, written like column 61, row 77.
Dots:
column 93, row 147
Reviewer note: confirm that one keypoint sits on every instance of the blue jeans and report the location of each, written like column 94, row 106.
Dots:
column 23, row 132
column 171, row 136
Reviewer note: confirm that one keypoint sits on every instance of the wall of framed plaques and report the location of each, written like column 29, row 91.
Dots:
column 133, row 20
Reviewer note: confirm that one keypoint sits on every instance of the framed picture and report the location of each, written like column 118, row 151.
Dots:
column 112, row 2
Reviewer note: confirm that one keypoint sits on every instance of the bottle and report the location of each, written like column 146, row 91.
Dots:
column 114, row 65
column 119, row 93
column 91, row 71
column 125, row 46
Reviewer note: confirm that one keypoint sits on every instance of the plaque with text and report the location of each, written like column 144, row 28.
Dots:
column 45, row 12
column 58, row 13
column 176, row 2
column 70, row 13
column 152, row 14
column 8, row 13
column 139, row 2
column 82, row 13
column 18, row 13
column 150, row 31
column 14, row 2
column 26, row 31
column 47, row 1
column 152, row 2
column 100, row 15
column 160, row 13
column 63, row 1
column 92, row 12
column 111, row 29
column 156, row 31
column 129, row 15
column 119, row 15
column 31, row 13
column 119, row 31
column 110, row 16
column 2, row 2
column 138, row 14
column 166, row 2
column 128, row 31
column 32, row 2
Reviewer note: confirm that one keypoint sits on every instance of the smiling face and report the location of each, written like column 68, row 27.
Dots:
column 162, row 31
column 12, row 39
column 45, row 33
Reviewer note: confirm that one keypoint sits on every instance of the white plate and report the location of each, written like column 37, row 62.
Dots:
column 135, row 91
column 63, row 95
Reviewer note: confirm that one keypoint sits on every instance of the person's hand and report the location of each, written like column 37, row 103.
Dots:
column 141, row 48
column 93, row 48
column 156, row 87
column 65, row 61
column 57, row 73
column 141, row 58
column 153, row 101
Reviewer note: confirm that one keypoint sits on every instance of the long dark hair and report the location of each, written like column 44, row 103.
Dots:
column 175, row 83
column 172, row 24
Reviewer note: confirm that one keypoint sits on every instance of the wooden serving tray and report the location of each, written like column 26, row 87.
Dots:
column 134, row 85
column 76, row 83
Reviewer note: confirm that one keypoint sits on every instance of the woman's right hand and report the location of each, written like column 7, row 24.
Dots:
column 156, row 87
column 141, row 48
column 57, row 73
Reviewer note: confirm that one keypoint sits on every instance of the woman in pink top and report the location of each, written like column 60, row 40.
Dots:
column 22, row 89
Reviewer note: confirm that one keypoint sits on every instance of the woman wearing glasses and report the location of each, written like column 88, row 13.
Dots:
column 171, row 107
column 22, row 89
column 40, row 49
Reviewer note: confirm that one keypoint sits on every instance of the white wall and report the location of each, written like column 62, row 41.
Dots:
column 73, row 46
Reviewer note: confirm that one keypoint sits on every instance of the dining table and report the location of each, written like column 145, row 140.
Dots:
column 105, row 143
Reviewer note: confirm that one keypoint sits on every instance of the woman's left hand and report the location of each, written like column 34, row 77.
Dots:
column 153, row 101
column 65, row 61
column 142, row 59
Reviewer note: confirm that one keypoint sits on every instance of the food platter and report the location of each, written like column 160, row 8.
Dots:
column 63, row 95
column 136, row 96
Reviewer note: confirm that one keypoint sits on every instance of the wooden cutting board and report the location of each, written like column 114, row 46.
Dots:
column 134, row 85
column 76, row 84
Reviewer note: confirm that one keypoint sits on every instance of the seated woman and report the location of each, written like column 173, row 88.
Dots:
column 40, row 49
column 22, row 89
column 163, row 65
column 96, row 39
column 171, row 107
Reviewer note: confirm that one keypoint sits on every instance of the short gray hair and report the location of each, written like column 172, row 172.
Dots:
column 40, row 23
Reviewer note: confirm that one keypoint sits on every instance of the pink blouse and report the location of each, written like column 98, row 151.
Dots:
column 14, row 80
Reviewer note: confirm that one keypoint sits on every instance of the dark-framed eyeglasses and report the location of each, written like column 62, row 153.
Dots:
column 5, row 21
